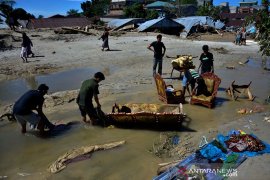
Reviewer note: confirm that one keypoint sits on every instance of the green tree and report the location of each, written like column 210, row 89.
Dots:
column 188, row 1
column 6, row 8
column 73, row 12
column 151, row 14
column 40, row 16
column 211, row 11
column 95, row 7
column 20, row 13
column 135, row 11
column 263, row 25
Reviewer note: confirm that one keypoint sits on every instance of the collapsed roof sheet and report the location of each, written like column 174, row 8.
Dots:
column 119, row 23
column 191, row 21
column 159, row 23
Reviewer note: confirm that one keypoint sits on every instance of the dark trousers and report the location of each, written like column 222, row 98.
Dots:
column 159, row 63
column 89, row 110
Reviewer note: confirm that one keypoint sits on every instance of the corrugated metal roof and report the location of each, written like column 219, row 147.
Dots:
column 119, row 23
column 160, row 23
column 160, row 4
column 58, row 22
column 191, row 21
column 115, row 23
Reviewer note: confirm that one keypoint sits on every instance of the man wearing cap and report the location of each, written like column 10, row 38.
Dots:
column 23, row 109
column 88, row 90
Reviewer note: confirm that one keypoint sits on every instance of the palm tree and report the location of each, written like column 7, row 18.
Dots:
column 73, row 12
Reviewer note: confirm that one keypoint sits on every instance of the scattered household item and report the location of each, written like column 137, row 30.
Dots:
column 182, row 62
column 143, row 115
column 79, row 154
column 212, row 82
column 169, row 97
column 218, row 154
column 241, row 89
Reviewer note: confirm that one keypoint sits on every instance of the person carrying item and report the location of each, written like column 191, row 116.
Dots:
column 88, row 90
column 26, row 47
column 158, row 54
column 206, row 59
column 23, row 109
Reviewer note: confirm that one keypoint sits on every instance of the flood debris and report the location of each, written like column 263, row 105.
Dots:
column 248, row 110
column 240, row 89
column 221, row 50
column 60, row 98
column 79, row 154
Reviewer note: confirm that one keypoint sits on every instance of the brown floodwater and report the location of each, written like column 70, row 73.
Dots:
column 28, row 156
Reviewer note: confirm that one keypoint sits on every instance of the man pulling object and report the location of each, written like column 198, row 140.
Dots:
column 23, row 109
column 191, row 78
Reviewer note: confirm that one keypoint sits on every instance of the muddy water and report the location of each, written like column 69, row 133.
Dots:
column 32, row 155
column 60, row 81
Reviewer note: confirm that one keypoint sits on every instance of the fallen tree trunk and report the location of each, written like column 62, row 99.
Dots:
column 62, row 162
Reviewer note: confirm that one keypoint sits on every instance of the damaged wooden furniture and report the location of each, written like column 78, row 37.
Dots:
column 212, row 82
column 166, row 93
column 240, row 89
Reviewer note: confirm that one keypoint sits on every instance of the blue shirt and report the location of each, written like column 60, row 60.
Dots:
column 28, row 102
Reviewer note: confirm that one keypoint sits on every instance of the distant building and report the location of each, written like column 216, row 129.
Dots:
column 234, row 19
column 224, row 7
column 117, row 6
column 248, row 3
column 204, row 2
column 161, row 7
column 233, row 9
column 225, row 4
column 247, row 6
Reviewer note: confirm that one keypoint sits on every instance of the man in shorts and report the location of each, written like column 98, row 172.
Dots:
column 23, row 109
column 88, row 91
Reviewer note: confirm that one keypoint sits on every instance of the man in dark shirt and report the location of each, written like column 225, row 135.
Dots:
column 206, row 59
column 32, row 100
column 158, row 54
column 88, row 90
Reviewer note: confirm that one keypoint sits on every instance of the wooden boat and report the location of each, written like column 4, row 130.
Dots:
column 146, row 115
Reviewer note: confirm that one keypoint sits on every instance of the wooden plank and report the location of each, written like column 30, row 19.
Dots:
column 77, row 30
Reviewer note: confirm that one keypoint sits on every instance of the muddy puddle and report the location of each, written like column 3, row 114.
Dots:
column 60, row 81
column 28, row 157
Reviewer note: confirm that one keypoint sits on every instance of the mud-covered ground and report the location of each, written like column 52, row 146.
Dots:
column 128, row 71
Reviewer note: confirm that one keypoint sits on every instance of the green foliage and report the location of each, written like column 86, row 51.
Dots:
column 188, row 1
column 74, row 13
column 20, row 13
column 95, row 7
column 151, row 14
column 5, row 9
column 40, row 16
column 211, row 11
column 263, row 25
column 135, row 11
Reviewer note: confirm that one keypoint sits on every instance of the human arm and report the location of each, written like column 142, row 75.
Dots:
column 150, row 47
column 212, row 65
column 43, row 117
column 97, row 100
column 164, row 50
